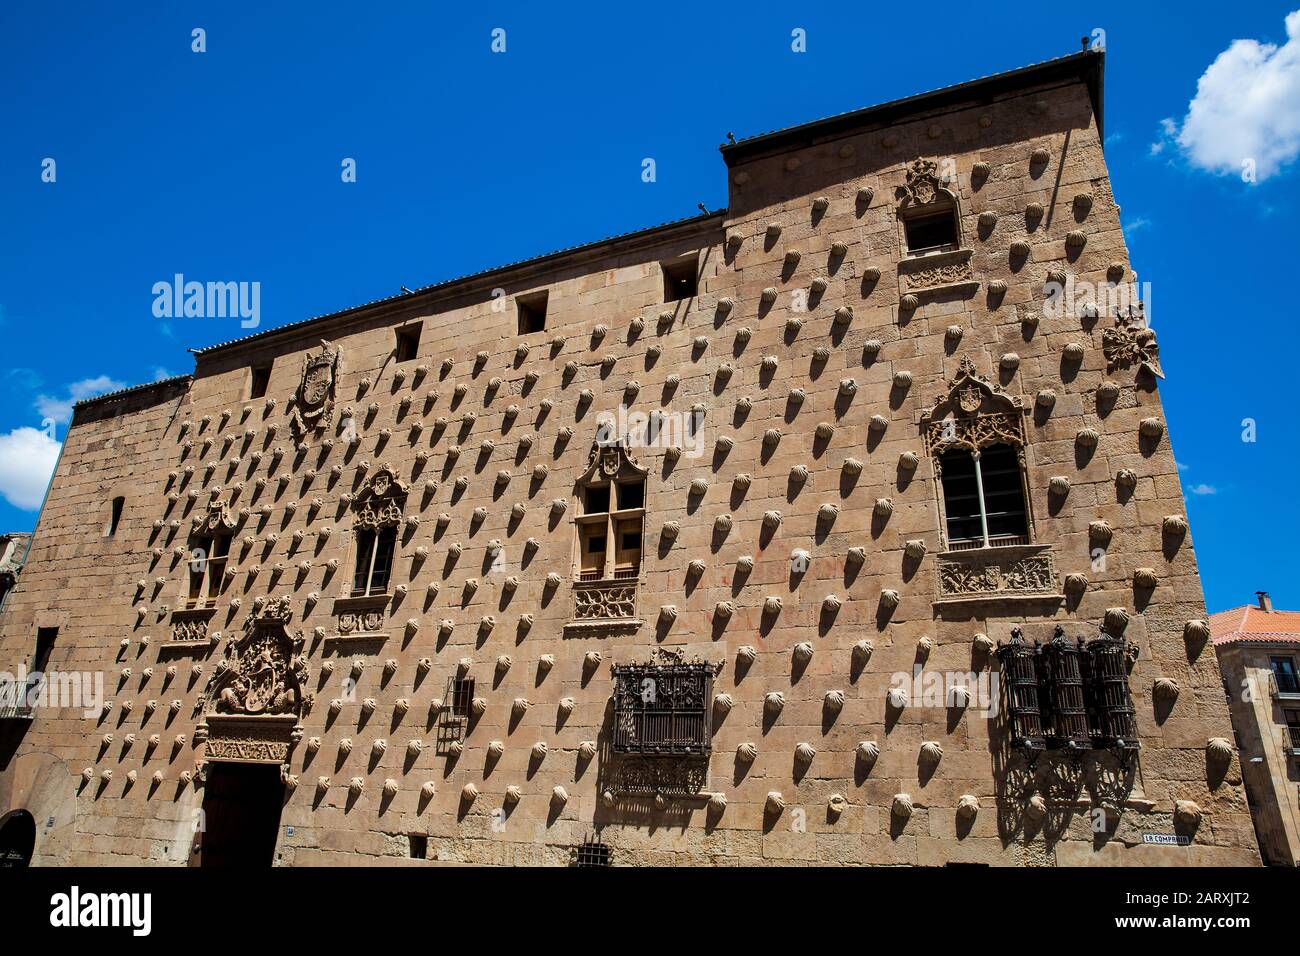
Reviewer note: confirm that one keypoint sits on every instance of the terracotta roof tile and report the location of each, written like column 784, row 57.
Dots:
column 1250, row 623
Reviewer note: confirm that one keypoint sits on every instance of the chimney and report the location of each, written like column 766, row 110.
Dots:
column 1265, row 602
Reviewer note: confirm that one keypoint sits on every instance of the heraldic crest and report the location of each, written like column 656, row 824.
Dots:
column 313, row 406
column 262, row 673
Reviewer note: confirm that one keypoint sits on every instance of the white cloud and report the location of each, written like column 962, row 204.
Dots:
column 1138, row 222
column 161, row 373
column 60, row 409
column 1203, row 489
column 1246, row 109
column 27, row 457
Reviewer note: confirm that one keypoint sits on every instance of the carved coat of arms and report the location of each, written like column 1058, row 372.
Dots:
column 263, row 673
column 313, row 406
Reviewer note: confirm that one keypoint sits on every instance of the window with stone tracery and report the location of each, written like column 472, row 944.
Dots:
column 208, row 559
column 975, row 436
column 378, row 509
column 612, row 519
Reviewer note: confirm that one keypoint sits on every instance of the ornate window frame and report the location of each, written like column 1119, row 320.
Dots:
column 379, row 504
column 943, row 267
column 972, row 414
column 609, row 603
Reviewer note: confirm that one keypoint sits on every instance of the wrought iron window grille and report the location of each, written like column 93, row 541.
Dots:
column 1069, row 696
column 664, row 709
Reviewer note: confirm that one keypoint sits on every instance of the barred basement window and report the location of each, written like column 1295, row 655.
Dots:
column 591, row 852
column 663, row 709
column 453, row 718
column 984, row 497
column 374, row 560
column 207, row 570
column 418, row 844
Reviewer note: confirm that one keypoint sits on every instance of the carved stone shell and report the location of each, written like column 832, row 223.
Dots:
column 773, row 702
column 862, row 651
column 896, row 698
column 909, row 302
column 1166, row 688
column 771, row 519
column 967, row 807
column 774, row 803
column 469, row 793
column 924, row 646
column 1145, row 578
column 1076, row 583
column 868, row 751
column 856, row 556
column 772, row 604
column 931, row 752
column 1174, row 525
column 1187, row 812
column 1115, row 620
column 884, row 507
column 889, row 599
column 722, row 703
column 1151, row 427
column 723, row 610
column 745, row 654
column 746, row 753
column 495, row 749
column 833, row 701
column 827, row 513
column 902, row 806
column 1196, row 632
column 538, row 753
column 390, row 788
column 1059, row 485
column 1036, row 809
column 803, row 652
column 1100, row 532
column 915, row 549
column 908, row 461
column 1219, row 749
column 804, row 753
column 1126, row 478
column 513, row 794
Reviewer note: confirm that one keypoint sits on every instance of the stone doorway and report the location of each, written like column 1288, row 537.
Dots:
column 241, row 815
column 17, row 839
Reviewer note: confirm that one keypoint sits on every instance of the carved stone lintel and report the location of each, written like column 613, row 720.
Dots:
column 996, row 573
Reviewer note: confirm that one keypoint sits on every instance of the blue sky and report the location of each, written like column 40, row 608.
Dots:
column 225, row 165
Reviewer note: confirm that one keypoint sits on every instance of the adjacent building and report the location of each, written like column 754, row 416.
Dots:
column 1259, row 654
column 840, row 525
column 13, row 551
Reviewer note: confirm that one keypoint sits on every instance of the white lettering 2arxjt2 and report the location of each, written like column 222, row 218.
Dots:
column 77, row 909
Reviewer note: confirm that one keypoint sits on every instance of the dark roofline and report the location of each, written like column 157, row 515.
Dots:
column 466, row 282
column 131, row 390
column 1086, row 67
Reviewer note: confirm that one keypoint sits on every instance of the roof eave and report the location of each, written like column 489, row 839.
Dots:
column 1087, row 66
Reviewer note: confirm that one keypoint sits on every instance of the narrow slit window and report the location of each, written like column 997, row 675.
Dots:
column 259, row 379
column 114, row 516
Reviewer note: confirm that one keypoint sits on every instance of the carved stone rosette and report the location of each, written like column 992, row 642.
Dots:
column 604, row 601
column 313, row 405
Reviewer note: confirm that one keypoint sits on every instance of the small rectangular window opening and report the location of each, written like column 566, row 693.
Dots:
column 931, row 232
column 532, row 311
column 419, row 846
column 408, row 342
column 681, row 280
column 260, row 379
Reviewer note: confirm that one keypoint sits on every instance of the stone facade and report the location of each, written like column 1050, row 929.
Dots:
column 793, row 550
column 1259, row 655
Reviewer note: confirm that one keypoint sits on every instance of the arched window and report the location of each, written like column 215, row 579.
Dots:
column 378, row 507
column 975, row 436
column 114, row 516
column 928, row 212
